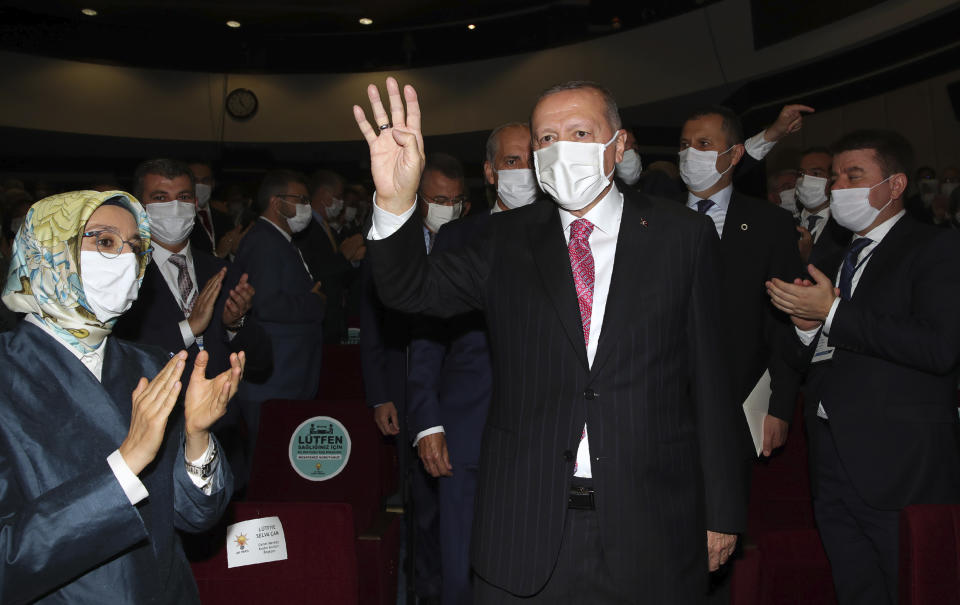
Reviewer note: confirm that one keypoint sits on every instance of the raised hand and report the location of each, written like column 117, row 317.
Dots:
column 206, row 399
column 396, row 146
column 789, row 121
column 153, row 401
column 202, row 311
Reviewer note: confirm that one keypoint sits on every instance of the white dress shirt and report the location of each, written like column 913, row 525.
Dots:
column 817, row 230
column 171, row 274
column 863, row 258
column 606, row 217
column 134, row 489
column 757, row 146
column 717, row 212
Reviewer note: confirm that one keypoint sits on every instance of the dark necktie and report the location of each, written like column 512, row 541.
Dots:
column 812, row 221
column 581, row 261
column 184, row 283
column 704, row 205
column 205, row 220
column 850, row 266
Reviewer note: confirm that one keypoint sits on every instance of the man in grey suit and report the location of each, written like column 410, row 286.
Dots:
column 609, row 467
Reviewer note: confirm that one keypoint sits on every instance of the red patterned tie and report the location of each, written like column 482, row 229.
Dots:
column 581, row 261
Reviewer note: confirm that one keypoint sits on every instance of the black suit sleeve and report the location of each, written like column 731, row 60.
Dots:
column 719, row 419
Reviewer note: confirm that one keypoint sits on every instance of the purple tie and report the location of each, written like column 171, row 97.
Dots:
column 184, row 283
column 581, row 261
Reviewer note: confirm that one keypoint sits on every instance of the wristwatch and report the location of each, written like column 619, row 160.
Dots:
column 205, row 471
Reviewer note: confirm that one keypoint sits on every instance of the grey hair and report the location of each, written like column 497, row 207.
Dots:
column 613, row 113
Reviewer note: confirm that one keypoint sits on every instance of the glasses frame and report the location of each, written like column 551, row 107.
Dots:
column 461, row 200
column 301, row 199
column 111, row 254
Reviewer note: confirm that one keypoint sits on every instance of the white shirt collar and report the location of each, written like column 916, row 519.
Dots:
column 282, row 232
column 161, row 255
column 720, row 198
column 824, row 212
column 880, row 231
column 603, row 216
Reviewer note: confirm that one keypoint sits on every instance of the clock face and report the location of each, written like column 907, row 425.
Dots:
column 241, row 104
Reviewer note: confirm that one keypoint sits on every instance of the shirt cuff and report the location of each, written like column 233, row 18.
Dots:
column 430, row 431
column 806, row 336
column 187, row 334
column 757, row 146
column 129, row 482
column 200, row 482
column 384, row 224
column 830, row 316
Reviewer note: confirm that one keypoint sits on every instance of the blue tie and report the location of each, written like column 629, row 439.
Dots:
column 812, row 221
column 704, row 205
column 850, row 266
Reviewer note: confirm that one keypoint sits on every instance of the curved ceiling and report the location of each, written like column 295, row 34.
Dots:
column 289, row 36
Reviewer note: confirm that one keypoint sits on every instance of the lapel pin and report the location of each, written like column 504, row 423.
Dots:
column 643, row 222
column 744, row 227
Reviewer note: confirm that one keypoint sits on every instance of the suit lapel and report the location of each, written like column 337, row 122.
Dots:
column 733, row 222
column 553, row 260
column 886, row 252
column 634, row 243
column 160, row 292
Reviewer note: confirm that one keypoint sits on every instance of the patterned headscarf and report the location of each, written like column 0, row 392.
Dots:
column 44, row 277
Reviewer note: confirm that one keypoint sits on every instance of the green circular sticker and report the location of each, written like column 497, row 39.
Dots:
column 319, row 448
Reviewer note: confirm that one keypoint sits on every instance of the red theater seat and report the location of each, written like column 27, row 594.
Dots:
column 321, row 564
column 340, row 373
column 794, row 569
column 930, row 555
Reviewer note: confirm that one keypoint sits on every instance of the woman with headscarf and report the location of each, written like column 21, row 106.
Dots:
column 92, row 488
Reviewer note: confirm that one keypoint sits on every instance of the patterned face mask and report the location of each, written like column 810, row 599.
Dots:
column 44, row 277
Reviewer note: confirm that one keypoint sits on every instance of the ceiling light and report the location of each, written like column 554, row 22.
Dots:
column 366, row 21
column 472, row 26
column 89, row 12
column 233, row 24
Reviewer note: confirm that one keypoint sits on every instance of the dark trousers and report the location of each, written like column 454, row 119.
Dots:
column 427, row 520
column 581, row 574
column 456, row 496
column 861, row 541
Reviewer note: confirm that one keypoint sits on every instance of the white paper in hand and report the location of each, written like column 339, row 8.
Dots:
column 255, row 541
column 755, row 408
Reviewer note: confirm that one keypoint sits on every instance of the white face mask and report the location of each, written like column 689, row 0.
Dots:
column 438, row 215
column 109, row 284
column 572, row 173
column 630, row 167
column 171, row 222
column 698, row 169
column 788, row 200
column 517, row 187
column 349, row 213
column 333, row 210
column 948, row 188
column 851, row 207
column 811, row 190
column 299, row 221
column 203, row 195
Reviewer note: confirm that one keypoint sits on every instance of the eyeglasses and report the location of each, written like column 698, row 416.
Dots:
column 110, row 244
column 300, row 199
column 444, row 200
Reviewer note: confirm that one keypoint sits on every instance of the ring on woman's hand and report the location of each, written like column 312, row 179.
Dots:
column 384, row 126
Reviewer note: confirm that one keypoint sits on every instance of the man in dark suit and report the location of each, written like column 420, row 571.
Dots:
column 330, row 260
column 821, row 236
column 289, row 302
column 211, row 223
column 182, row 302
column 602, row 345
column 882, row 349
column 757, row 242
column 450, row 378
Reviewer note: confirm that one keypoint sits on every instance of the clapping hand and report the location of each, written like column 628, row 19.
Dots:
column 396, row 151
column 239, row 301
column 206, row 399
column 153, row 400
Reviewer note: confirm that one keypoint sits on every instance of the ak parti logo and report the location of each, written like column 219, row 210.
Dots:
column 241, row 541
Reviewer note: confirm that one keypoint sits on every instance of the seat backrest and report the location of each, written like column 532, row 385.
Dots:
column 273, row 478
column 321, row 558
column 340, row 375
column 930, row 554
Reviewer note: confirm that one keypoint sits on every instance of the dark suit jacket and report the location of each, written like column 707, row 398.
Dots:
column 286, row 309
column 200, row 239
column 384, row 336
column 333, row 271
column 450, row 378
column 67, row 530
column 891, row 388
column 657, row 400
column 832, row 241
column 759, row 241
column 154, row 318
